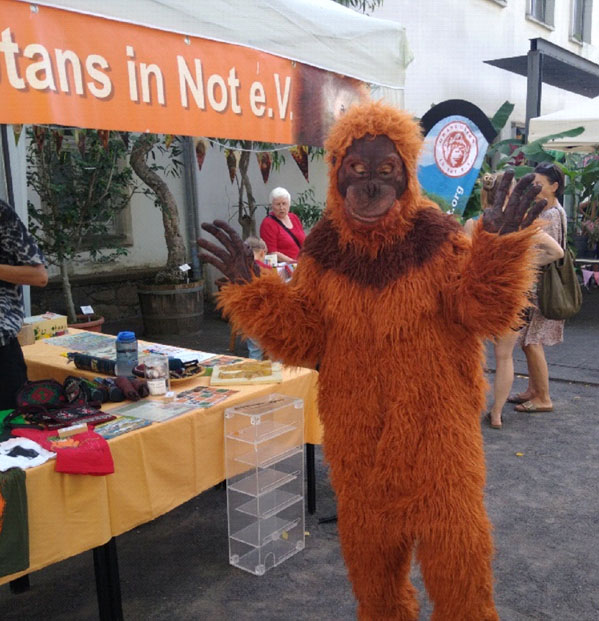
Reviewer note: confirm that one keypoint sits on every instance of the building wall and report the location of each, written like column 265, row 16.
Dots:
column 450, row 39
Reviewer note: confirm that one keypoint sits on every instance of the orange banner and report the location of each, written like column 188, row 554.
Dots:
column 58, row 67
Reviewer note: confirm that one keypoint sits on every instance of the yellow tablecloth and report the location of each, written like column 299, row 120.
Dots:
column 157, row 467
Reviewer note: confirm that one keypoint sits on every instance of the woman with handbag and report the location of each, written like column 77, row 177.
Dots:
column 540, row 331
column 503, row 346
column 282, row 230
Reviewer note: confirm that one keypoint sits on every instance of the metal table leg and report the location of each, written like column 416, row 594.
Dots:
column 108, row 584
column 311, row 477
column 20, row 585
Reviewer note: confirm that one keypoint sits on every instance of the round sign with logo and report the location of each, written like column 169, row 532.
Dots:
column 456, row 149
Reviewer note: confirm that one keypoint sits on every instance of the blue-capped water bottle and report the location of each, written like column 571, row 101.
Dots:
column 126, row 353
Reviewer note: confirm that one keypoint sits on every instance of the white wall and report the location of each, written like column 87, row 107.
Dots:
column 218, row 197
column 450, row 39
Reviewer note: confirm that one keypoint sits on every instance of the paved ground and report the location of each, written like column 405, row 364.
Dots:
column 542, row 496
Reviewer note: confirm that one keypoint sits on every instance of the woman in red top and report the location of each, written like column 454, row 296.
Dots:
column 282, row 230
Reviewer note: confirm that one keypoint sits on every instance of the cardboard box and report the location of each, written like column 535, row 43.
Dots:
column 46, row 325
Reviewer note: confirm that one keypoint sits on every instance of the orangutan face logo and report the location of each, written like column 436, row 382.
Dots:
column 456, row 149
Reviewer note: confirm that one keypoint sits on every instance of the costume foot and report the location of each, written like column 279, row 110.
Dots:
column 520, row 397
column 492, row 424
column 530, row 406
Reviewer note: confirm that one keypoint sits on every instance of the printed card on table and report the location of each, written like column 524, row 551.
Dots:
column 204, row 396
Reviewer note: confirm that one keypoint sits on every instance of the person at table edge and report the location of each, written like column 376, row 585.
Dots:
column 21, row 263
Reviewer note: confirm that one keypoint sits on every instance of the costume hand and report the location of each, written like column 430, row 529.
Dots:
column 520, row 210
column 235, row 259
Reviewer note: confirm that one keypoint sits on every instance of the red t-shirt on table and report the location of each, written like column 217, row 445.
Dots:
column 277, row 238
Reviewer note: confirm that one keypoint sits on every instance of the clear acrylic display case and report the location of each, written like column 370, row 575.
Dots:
column 264, row 453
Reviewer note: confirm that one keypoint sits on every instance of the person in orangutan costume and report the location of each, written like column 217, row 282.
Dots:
column 392, row 302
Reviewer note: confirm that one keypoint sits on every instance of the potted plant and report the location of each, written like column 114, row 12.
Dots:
column 307, row 208
column 589, row 234
column 169, row 304
column 82, row 184
column 583, row 186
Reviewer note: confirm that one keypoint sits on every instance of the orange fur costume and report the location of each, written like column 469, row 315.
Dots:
column 396, row 316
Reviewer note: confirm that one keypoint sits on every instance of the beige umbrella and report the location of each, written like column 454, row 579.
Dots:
column 584, row 115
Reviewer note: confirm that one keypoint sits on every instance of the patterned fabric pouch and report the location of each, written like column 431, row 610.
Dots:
column 45, row 394
column 47, row 404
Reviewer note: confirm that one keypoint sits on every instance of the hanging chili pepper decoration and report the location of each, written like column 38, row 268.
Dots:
column 80, row 137
column 17, row 130
column 200, row 153
column 231, row 163
column 39, row 134
column 300, row 155
column 58, row 137
column 265, row 163
column 125, row 138
column 104, row 135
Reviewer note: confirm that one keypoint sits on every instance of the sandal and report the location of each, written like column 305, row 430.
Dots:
column 517, row 398
column 491, row 423
column 529, row 406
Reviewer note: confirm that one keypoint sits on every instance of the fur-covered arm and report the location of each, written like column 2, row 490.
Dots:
column 490, row 280
column 282, row 317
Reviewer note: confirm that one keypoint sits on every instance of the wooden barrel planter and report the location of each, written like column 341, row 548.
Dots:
column 91, row 323
column 171, row 309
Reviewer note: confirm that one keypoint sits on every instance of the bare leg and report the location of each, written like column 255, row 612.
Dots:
column 538, row 374
column 379, row 569
column 529, row 393
column 504, row 373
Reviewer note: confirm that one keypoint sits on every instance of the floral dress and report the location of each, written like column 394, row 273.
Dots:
column 539, row 329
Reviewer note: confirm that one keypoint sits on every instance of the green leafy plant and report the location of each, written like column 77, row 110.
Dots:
column 307, row 208
column 582, row 172
column 514, row 154
column 83, row 182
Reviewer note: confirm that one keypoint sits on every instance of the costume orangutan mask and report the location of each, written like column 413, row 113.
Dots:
column 370, row 179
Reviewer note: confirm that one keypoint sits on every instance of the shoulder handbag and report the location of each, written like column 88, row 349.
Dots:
column 559, row 292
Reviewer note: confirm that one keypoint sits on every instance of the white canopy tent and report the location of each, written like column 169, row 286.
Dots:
column 320, row 33
column 583, row 115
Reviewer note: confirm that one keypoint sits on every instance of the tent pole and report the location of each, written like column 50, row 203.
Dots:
column 534, row 86
column 189, row 164
column 7, row 171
